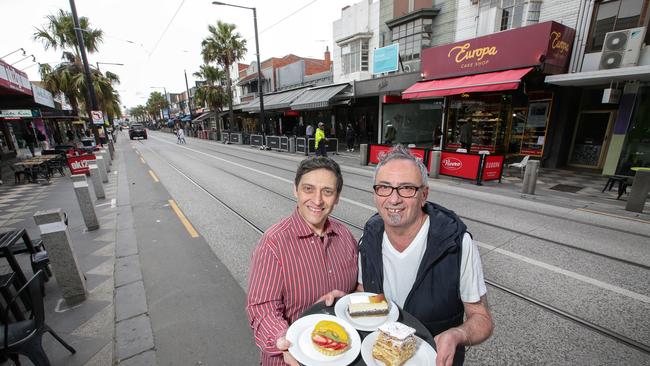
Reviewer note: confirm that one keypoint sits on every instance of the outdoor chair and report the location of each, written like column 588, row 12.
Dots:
column 24, row 337
column 461, row 150
column 520, row 165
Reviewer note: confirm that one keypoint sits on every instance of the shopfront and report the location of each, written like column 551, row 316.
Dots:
column 495, row 96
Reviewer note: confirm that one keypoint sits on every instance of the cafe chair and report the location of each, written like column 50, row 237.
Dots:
column 461, row 150
column 520, row 165
column 484, row 152
column 25, row 337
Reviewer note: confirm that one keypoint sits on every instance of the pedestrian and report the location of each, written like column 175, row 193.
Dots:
column 465, row 135
column 437, row 134
column 309, row 131
column 320, row 143
column 349, row 138
column 420, row 256
column 69, row 135
column 306, row 258
column 181, row 135
column 30, row 139
column 391, row 133
column 42, row 140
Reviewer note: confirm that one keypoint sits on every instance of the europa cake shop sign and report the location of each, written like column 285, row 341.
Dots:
column 547, row 45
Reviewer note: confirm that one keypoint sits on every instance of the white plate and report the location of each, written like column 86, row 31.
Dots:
column 302, row 349
column 424, row 354
column 365, row 323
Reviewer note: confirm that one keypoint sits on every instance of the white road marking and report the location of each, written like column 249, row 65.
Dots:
column 546, row 266
column 576, row 276
column 113, row 202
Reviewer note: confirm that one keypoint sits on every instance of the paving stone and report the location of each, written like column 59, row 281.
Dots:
column 133, row 336
column 144, row 359
column 127, row 270
column 130, row 300
column 126, row 243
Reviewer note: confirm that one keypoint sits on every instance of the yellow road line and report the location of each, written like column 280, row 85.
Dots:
column 190, row 229
column 153, row 175
column 142, row 160
column 612, row 215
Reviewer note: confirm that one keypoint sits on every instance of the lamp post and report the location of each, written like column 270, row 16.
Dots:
column 93, row 106
column 189, row 99
column 25, row 58
column 259, row 65
column 107, row 63
column 167, row 100
column 14, row 51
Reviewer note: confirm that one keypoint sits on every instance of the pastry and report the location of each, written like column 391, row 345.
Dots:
column 395, row 344
column 329, row 338
column 364, row 305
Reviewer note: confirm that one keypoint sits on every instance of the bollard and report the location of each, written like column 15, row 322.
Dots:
column 82, row 192
column 292, row 145
column 107, row 159
column 63, row 261
column 639, row 192
column 530, row 177
column 435, row 164
column 78, row 178
column 102, row 168
column 98, row 186
column 49, row 216
column 363, row 153
column 111, row 148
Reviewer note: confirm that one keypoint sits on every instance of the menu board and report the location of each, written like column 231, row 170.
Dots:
column 535, row 130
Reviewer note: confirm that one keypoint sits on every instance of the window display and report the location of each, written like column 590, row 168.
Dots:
column 487, row 120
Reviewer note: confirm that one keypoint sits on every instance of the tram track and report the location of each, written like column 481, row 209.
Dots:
column 518, row 233
column 645, row 348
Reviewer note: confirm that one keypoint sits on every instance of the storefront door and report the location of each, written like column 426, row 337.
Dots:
column 591, row 138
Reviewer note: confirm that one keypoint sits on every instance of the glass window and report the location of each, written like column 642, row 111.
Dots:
column 636, row 149
column 415, row 122
column 611, row 16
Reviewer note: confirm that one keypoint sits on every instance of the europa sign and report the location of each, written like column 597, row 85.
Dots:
column 547, row 45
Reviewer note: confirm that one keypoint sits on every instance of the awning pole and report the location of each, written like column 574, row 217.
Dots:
column 444, row 121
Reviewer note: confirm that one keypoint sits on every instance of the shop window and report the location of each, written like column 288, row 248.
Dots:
column 412, row 37
column 612, row 16
column 636, row 149
column 414, row 122
column 487, row 117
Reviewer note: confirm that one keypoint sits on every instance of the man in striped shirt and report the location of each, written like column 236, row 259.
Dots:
column 305, row 258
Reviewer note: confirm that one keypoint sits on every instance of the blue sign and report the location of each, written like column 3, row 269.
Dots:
column 385, row 59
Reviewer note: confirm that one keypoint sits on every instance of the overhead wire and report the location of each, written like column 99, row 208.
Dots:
column 166, row 28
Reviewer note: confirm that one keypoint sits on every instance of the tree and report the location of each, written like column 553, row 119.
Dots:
column 212, row 92
column 156, row 103
column 225, row 47
column 139, row 113
column 59, row 33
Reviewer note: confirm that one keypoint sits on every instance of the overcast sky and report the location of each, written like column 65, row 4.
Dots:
column 133, row 35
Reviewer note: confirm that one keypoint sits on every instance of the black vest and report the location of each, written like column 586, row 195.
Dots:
column 434, row 298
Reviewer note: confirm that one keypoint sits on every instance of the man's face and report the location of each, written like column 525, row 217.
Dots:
column 397, row 211
column 316, row 194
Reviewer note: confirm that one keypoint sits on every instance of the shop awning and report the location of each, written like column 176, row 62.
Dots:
column 273, row 101
column 204, row 116
column 492, row 81
column 601, row 77
column 320, row 97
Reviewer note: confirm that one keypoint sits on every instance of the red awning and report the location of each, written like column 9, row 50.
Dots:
column 492, row 81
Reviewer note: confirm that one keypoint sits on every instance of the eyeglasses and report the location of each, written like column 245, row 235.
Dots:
column 403, row 191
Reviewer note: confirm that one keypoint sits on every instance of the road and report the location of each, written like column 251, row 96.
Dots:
column 565, row 286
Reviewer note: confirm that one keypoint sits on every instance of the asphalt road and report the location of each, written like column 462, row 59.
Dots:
column 591, row 266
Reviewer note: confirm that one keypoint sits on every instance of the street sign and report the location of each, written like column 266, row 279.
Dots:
column 98, row 117
column 18, row 113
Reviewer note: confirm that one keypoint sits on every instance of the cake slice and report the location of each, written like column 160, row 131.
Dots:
column 364, row 305
column 395, row 344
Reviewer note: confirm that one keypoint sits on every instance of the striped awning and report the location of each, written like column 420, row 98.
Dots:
column 321, row 97
column 277, row 100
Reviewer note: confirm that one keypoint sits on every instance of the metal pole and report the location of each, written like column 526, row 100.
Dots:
column 259, row 78
column 89, row 83
column 187, row 89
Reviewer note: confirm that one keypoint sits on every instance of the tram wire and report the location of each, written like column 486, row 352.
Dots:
column 550, row 308
column 482, row 222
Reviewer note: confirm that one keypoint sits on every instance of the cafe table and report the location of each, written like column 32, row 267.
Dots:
column 404, row 317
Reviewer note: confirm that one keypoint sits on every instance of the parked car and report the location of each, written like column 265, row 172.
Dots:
column 137, row 130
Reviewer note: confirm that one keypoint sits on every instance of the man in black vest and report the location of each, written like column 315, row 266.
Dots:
column 420, row 256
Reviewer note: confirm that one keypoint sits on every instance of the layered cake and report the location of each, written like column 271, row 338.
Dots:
column 395, row 344
column 329, row 338
column 364, row 305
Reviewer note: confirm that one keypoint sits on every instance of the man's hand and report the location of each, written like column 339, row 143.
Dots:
column 331, row 296
column 446, row 343
column 283, row 345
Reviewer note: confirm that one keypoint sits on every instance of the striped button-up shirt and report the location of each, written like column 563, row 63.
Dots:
column 291, row 269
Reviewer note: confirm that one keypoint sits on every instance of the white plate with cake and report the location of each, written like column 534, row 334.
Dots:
column 396, row 344
column 366, row 311
column 323, row 340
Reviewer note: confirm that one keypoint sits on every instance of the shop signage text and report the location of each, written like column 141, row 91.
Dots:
column 12, row 78
column 547, row 45
column 18, row 113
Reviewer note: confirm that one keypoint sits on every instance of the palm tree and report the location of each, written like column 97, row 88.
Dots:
column 59, row 33
column 156, row 103
column 225, row 46
column 212, row 93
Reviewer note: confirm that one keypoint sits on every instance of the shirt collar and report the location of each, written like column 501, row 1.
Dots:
column 302, row 228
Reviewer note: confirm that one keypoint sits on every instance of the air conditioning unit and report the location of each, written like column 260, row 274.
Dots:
column 622, row 48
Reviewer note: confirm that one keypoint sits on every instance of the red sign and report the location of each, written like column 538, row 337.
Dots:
column 79, row 164
column 14, row 79
column 459, row 164
column 547, row 44
column 377, row 152
column 492, row 167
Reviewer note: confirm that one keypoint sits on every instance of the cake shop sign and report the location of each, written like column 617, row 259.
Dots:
column 472, row 57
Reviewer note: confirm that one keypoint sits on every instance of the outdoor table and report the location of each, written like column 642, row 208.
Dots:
column 7, row 241
column 32, row 164
column 404, row 317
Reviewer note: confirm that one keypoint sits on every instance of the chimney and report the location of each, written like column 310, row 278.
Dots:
column 328, row 59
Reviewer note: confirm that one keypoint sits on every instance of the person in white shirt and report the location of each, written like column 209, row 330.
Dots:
column 421, row 257
column 181, row 136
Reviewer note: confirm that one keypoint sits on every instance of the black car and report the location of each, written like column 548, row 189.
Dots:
column 137, row 130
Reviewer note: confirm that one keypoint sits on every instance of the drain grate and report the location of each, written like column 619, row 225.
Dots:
column 566, row 188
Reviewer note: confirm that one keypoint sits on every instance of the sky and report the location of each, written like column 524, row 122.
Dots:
column 154, row 49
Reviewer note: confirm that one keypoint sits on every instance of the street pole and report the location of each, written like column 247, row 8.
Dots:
column 89, row 83
column 259, row 79
column 187, row 90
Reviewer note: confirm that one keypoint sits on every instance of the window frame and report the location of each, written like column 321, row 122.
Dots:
column 643, row 22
